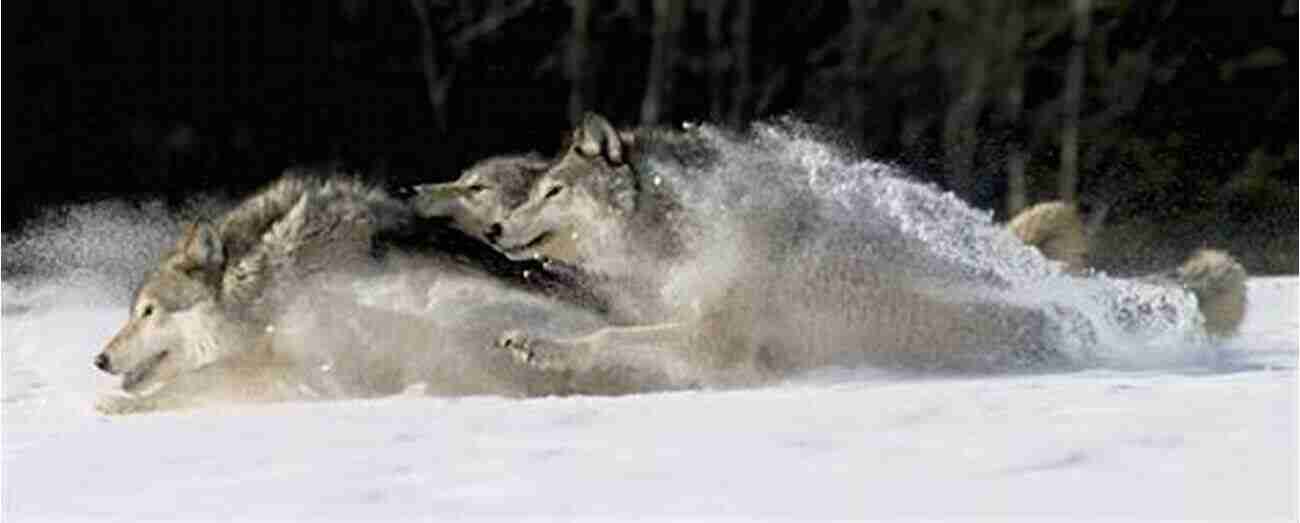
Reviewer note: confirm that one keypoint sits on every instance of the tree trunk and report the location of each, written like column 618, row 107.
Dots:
column 717, row 53
column 1068, row 181
column 1013, row 105
column 740, row 41
column 576, row 65
column 960, row 120
column 859, row 38
column 959, row 140
column 668, row 17
column 1017, row 186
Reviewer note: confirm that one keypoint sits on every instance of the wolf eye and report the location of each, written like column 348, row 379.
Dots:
column 554, row 190
column 147, row 311
column 476, row 188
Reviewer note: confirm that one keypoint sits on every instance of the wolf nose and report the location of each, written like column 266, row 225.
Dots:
column 493, row 232
column 101, row 361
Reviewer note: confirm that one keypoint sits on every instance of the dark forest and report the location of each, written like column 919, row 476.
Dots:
column 1179, row 116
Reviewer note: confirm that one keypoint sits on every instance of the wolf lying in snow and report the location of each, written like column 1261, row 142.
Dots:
column 235, row 308
column 1217, row 279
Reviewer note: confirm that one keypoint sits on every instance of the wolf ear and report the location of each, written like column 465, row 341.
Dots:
column 202, row 246
column 596, row 137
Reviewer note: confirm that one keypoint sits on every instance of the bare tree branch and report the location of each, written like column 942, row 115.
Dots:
column 436, row 82
column 491, row 22
column 1068, row 178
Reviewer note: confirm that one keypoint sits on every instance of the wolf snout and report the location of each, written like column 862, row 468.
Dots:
column 493, row 232
column 102, row 363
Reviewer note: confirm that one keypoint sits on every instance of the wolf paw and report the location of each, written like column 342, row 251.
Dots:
column 527, row 350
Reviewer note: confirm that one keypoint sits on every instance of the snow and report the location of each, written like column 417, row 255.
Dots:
column 1167, row 443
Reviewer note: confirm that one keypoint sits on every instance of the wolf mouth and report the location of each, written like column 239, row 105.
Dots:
column 142, row 371
column 538, row 241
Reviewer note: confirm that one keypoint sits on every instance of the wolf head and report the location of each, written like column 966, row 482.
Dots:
column 478, row 202
column 591, row 186
column 176, row 322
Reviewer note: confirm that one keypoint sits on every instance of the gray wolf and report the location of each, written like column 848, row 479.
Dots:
column 769, row 298
column 324, row 346
column 244, row 308
column 1217, row 279
column 217, row 288
column 479, row 201
column 601, row 181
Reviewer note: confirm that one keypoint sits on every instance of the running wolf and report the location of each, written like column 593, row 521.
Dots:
column 789, row 295
column 217, row 288
column 208, row 317
column 480, row 200
column 611, row 204
column 600, row 191
column 1217, row 279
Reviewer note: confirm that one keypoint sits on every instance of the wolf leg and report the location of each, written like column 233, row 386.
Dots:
column 611, row 346
column 542, row 353
column 616, row 359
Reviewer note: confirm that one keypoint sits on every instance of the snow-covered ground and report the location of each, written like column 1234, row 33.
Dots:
column 1174, row 443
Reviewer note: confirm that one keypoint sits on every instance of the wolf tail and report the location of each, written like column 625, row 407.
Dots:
column 1057, row 230
column 1219, row 282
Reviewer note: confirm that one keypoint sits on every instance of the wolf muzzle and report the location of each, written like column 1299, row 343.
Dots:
column 102, row 363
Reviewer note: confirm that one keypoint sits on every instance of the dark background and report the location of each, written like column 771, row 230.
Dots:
column 1186, row 115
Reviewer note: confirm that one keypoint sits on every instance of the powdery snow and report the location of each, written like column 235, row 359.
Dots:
column 1175, row 443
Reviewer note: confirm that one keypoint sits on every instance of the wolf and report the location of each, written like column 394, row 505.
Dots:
column 600, row 181
column 478, row 202
column 776, row 294
column 610, row 205
column 217, row 287
column 1059, row 232
column 480, row 199
column 211, row 314
column 328, row 347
